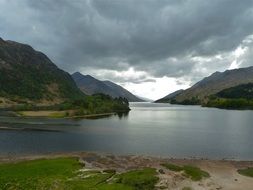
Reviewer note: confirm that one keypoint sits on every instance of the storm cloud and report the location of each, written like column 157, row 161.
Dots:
column 181, row 39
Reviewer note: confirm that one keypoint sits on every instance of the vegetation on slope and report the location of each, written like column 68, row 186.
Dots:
column 238, row 97
column 30, row 81
column 29, row 75
column 67, row 173
column 244, row 91
column 215, row 83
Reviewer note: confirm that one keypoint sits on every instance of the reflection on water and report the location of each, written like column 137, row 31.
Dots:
column 153, row 129
column 123, row 115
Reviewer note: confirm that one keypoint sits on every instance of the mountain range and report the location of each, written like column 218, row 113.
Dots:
column 90, row 85
column 29, row 76
column 200, row 92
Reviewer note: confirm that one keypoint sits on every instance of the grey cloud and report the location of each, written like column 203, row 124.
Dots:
column 159, row 37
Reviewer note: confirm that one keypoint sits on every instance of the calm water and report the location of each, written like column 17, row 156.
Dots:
column 149, row 129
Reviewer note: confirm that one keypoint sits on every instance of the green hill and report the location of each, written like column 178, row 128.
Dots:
column 241, row 91
column 30, row 76
column 238, row 97
column 218, row 81
column 29, row 81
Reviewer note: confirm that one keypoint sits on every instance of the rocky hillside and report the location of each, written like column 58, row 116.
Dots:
column 199, row 93
column 89, row 85
column 27, row 75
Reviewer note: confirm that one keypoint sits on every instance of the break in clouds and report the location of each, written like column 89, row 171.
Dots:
column 149, row 46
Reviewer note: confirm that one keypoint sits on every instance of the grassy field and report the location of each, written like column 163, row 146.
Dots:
column 247, row 172
column 68, row 173
column 192, row 172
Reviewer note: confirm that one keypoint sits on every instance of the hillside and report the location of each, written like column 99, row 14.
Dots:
column 122, row 92
column 30, row 76
column 237, row 97
column 90, row 86
column 169, row 97
column 241, row 91
column 199, row 93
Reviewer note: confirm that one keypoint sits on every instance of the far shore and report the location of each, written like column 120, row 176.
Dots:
column 223, row 173
column 58, row 114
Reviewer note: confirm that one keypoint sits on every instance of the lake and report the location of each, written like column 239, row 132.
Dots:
column 148, row 129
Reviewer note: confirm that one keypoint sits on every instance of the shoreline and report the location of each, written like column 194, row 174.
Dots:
column 46, row 114
column 223, row 173
column 30, row 156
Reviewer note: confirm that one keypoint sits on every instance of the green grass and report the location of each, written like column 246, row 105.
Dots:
column 139, row 179
column 195, row 173
column 115, row 186
column 58, row 115
column 37, row 174
column 246, row 172
column 65, row 174
column 192, row 172
column 172, row 167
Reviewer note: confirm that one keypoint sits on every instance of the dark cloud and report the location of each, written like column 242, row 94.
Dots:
column 162, row 38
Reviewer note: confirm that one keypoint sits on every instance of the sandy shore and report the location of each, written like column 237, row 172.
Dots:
column 223, row 173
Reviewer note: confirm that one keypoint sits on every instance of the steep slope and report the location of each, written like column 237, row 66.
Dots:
column 90, row 85
column 122, row 92
column 241, row 91
column 237, row 97
column 27, row 75
column 213, row 84
column 169, row 97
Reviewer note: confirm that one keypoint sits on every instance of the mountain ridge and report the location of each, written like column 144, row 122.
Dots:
column 91, row 85
column 169, row 97
column 214, row 83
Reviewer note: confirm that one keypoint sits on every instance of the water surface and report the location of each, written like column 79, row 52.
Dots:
column 148, row 129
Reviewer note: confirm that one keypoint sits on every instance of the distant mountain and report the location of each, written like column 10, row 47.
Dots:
column 122, row 92
column 27, row 75
column 169, row 97
column 145, row 99
column 218, row 81
column 90, row 85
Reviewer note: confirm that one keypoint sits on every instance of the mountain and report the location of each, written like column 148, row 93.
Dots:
column 169, row 97
column 145, row 99
column 27, row 75
column 122, row 92
column 237, row 97
column 218, row 81
column 244, row 91
column 90, row 85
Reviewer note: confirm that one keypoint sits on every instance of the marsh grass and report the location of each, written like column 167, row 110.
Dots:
column 246, row 172
column 68, row 173
column 192, row 172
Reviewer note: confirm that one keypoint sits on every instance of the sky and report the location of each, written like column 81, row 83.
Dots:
column 150, row 47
